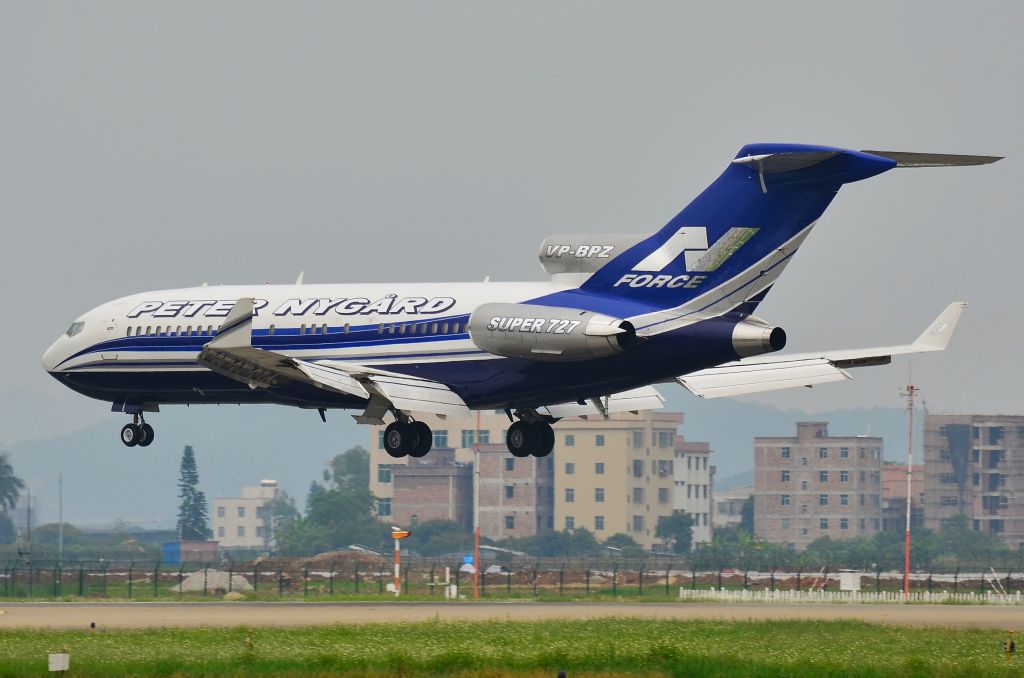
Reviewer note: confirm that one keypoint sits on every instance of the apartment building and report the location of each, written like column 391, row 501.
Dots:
column 517, row 495
column 434, row 487
column 729, row 506
column 242, row 522
column 812, row 485
column 694, row 485
column 894, row 497
column 974, row 466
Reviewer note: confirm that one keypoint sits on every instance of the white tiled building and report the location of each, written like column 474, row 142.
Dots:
column 694, row 485
column 242, row 522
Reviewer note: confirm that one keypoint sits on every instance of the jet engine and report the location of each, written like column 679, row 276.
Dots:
column 753, row 336
column 548, row 333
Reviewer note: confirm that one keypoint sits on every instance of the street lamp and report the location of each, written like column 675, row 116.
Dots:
column 398, row 534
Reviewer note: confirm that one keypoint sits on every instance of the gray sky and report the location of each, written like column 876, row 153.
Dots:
column 151, row 145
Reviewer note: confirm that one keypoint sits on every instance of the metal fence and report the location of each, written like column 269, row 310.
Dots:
column 345, row 575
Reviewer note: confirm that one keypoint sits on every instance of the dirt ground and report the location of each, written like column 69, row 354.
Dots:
column 160, row 615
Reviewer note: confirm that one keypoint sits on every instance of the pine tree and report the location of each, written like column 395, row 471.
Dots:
column 193, row 516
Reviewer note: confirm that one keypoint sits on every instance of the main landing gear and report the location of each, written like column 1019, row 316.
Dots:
column 408, row 438
column 137, row 433
column 531, row 435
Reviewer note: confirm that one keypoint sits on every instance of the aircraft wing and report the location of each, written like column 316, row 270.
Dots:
column 776, row 372
column 232, row 354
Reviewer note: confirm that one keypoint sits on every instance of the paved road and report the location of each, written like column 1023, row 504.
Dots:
column 157, row 615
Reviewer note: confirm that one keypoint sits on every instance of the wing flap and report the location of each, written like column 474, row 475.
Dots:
column 722, row 382
column 645, row 398
column 418, row 395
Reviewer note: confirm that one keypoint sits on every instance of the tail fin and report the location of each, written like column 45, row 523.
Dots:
column 726, row 248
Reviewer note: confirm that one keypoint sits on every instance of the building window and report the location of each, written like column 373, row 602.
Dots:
column 261, row 513
column 785, row 452
column 570, row 440
column 220, row 512
column 823, row 523
column 823, row 476
column 947, row 500
column 863, row 477
column 844, row 523
column 441, row 439
column 638, row 495
column 638, row 523
column 638, row 468
column 241, row 511
column 663, row 496
column 785, row 523
column 599, row 468
column 468, row 437
column 844, row 452
column 384, row 473
column 241, row 531
column 665, row 438
column 785, row 476
column 599, row 440
column 947, row 479
column 220, row 531
column 510, row 463
column 822, row 453
column 510, row 522
column 570, row 523
column 380, row 439
column 844, row 500
column 383, row 507
column 599, row 494
column 510, row 491
column 844, row 476
column 803, row 485
column 260, row 530
column 570, row 468
column 598, row 522
column 638, row 439
column 570, row 495
column 803, row 461
column 822, row 500
column 784, row 499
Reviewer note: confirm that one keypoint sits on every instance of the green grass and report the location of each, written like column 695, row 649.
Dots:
column 608, row 647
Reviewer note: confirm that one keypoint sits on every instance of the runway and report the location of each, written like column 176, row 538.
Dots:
column 221, row 614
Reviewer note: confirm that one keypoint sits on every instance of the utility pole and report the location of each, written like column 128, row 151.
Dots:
column 28, row 516
column 476, row 514
column 909, row 393
column 60, row 517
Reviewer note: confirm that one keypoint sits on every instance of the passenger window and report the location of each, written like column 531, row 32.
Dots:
column 402, row 328
column 159, row 330
column 188, row 330
column 380, row 328
column 271, row 330
column 302, row 328
column 149, row 329
column 433, row 328
column 391, row 329
column 444, row 328
column 323, row 329
column 179, row 330
column 346, row 328
column 129, row 332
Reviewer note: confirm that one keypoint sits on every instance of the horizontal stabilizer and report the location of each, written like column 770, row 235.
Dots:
column 934, row 159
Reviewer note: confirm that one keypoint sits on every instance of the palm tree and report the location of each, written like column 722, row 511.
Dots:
column 10, row 484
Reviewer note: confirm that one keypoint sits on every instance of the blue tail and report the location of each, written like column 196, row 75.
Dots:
column 726, row 248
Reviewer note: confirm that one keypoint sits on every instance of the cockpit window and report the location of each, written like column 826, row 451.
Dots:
column 75, row 328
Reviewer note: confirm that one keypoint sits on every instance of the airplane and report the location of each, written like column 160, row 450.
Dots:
column 620, row 314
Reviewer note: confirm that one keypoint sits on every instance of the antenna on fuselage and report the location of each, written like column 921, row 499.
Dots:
column 298, row 281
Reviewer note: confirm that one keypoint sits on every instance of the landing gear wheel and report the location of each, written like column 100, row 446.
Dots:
column 147, row 434
column 521, row 439
column 546, row 439
column 423, row 439
column 398, row 439
column 130, row 435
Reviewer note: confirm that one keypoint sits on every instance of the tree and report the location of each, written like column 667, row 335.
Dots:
column 193, row 517
column 624, row 543
column 440, row 537
column 747, row 515
column 10, row 485
column 315, row 488
column 351, row 468
column 676, row 530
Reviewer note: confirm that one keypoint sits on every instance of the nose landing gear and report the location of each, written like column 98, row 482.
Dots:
column 137, row 433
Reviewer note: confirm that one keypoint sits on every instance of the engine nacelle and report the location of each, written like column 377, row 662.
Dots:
column 753, row 336
column 549, row 333
column 579, row 253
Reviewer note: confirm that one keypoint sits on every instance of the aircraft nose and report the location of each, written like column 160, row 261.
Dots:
column 52, row 357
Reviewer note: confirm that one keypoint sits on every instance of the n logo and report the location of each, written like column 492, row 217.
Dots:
column 692, row 243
